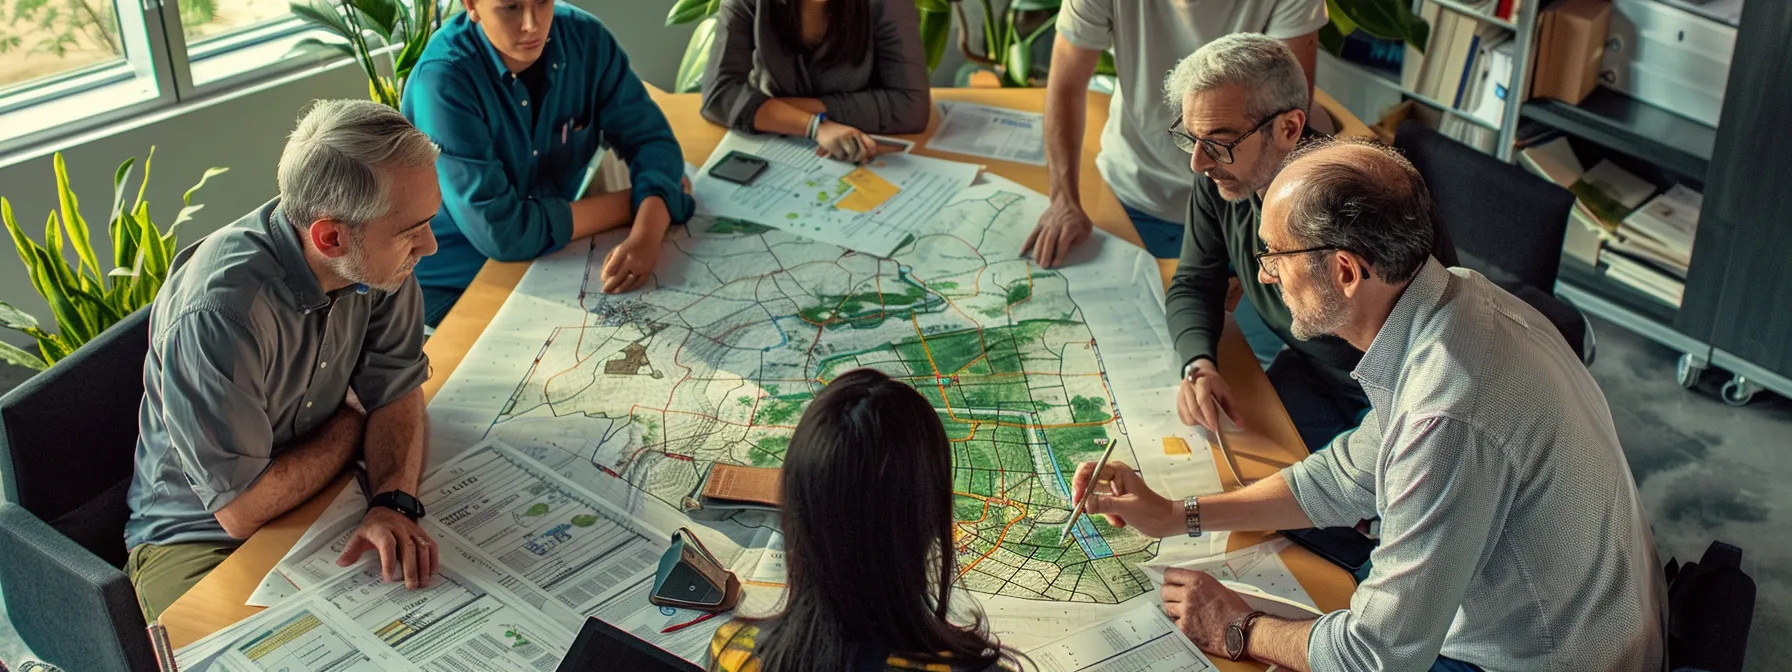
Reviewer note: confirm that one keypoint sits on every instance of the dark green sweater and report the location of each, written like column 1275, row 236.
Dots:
column 1222, row 238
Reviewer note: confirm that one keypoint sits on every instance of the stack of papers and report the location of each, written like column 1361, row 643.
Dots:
column 991, row 132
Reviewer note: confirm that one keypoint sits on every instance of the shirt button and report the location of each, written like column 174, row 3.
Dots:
column 322, row 364
column 307, row 404
column 535, row 153
column 525, row 103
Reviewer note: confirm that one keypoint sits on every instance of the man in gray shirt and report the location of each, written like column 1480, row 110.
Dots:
column 1512, row 535
column 283, row 348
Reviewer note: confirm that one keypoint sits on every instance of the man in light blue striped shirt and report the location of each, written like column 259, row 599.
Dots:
column 1512, row 537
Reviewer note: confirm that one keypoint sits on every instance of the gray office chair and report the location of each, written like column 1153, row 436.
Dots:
column 67, row 441
column 1507, row 224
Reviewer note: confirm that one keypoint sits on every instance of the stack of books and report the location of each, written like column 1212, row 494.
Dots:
column 1620, row 224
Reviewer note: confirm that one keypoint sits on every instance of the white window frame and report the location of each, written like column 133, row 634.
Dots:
column 155, row 49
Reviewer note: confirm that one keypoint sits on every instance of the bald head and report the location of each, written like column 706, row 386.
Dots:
column 1358, row 196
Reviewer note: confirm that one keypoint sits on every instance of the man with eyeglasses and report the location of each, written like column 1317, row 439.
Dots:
column 1512, row 535
column 1242, row 100
column 1147, row 38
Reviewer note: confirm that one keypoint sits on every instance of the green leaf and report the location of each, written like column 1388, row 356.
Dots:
column 1341, row 20
column 323, row 15
column 936, row 31
column 380, row 16
column 23, row 244
column 1384, row 19
column 696, row 59
column 13, row 318
column 72, row 221
column 118, row 179
column 17, row 356
column 53, row 348
column 73, row 325
column 145, row 183
column 925, row 6
column 1018, row 61
column 686, row 11
column 187, row 198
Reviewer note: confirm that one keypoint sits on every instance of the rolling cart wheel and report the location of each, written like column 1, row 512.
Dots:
column 1739, row 391
column 1687, row 372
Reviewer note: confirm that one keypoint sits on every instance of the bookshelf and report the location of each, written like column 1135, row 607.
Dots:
column 1629, row 126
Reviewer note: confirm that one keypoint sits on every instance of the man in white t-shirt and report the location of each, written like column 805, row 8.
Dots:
column 1147, row 172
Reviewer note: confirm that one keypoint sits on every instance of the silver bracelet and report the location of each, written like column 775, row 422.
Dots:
column 1191, row 515
column 815, row 124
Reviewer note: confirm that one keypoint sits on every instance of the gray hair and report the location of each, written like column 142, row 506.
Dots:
column 1260, row 64
column 334, row 163
column 1363, row 197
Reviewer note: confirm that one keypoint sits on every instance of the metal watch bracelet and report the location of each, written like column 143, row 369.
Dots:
column 1191, row 515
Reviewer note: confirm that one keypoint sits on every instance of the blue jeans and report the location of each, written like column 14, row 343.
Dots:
column 1163, row 239
column 1451, row 665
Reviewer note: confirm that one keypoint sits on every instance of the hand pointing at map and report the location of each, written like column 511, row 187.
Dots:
column 1124, row 499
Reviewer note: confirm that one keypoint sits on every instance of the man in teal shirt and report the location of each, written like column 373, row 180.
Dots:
column 521, row 96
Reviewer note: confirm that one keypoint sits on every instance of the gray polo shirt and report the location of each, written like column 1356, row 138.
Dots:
column 1512, row 536
column 247, row 356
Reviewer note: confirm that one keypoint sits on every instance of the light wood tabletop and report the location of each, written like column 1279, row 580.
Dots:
column 1270, row 444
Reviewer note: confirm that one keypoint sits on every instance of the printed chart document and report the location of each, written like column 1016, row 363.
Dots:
column 991, row 132
column 875, row 208
column 453, row 624
column 1141, row 640
column 303, row 635
column 546, row 533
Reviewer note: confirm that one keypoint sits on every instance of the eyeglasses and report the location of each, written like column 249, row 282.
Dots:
column 1216, row 150
column 1268, row 260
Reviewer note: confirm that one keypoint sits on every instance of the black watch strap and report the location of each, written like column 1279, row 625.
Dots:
column 400, row 501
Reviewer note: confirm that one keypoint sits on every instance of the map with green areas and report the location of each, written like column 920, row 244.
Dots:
column 716, row 360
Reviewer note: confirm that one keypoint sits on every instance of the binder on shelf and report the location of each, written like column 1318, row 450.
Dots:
column 1412, row 69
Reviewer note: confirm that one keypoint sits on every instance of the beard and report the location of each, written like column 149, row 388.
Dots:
column 353, row 268
column 1325, row 316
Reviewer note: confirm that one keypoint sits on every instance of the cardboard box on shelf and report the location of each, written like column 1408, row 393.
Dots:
column 1570, row 49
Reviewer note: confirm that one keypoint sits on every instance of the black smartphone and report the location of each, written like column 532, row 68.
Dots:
column 738, row 167
column 1342, row 546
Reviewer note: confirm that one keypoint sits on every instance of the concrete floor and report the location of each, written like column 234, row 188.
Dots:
column 1706, row 470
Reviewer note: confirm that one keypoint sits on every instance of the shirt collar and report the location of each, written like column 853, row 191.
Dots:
column 307, row 292
column 1386, row 356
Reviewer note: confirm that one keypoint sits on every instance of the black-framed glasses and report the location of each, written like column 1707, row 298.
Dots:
column 1216, row 150
column 1268, row 260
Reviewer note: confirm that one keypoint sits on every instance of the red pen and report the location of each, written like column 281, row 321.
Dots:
column 675, row 628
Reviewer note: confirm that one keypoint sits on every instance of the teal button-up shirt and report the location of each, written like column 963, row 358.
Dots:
column 509, row 168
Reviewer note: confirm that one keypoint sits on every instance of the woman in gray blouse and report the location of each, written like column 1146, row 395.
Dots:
column 830, row 70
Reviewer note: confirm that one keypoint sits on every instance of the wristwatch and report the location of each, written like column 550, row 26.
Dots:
column 400, row 501
column 1238, row 633
column 1191, row 515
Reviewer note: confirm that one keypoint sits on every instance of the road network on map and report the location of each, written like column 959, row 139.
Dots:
column 717, row 362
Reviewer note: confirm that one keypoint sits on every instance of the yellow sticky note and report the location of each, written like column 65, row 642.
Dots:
column 1176, row 445
column 868, row 191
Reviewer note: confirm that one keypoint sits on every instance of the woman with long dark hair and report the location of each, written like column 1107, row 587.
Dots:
column 867, row 517
column 829, row 70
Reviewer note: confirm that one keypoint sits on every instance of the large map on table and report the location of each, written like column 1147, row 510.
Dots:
column 717, row 358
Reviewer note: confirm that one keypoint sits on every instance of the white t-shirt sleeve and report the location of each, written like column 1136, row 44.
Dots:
column 1089, row 24
column 1289, row 19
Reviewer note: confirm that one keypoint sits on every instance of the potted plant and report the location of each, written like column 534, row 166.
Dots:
column 83, row 298
column 390, row 22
